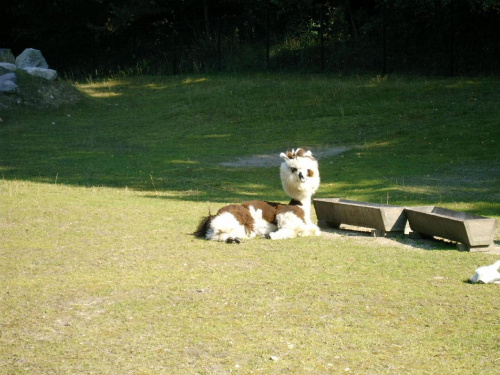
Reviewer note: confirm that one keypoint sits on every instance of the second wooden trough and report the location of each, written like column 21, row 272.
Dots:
column 472, row 232
column 385, row 220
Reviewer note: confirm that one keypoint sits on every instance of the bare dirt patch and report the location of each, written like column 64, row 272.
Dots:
column 273, row 160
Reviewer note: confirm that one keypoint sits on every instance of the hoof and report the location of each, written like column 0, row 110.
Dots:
column 233, row 240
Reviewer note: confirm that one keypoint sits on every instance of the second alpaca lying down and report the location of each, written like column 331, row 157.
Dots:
column 487, row 274
column 300, row 178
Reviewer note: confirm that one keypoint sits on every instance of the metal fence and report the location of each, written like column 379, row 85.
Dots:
column 453, row 41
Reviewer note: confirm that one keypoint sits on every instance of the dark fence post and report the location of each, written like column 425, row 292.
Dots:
column 174, row 55
column 218, row 46
column 384, row 47
column 94, row 50
column 322, row 39
column 134, row 42
column 267, row 38
column 452, row 72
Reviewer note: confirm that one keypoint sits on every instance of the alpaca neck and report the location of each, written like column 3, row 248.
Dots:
column 305, row 204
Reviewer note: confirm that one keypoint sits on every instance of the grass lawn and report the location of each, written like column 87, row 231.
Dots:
column 99, row 273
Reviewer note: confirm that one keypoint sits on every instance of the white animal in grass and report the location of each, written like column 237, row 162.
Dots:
column 487, row 274
column 300, row 178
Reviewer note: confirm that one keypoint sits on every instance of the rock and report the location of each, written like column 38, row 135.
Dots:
column 7, row 56
column 8, row 83
column 7, row 67
column 48, row 74
column 31, row 58
column 8, row 86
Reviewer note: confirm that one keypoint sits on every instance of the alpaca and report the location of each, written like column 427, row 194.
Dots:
column 300, row 179
column 487, row 274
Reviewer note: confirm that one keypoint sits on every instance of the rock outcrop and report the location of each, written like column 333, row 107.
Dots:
column 30, row 60
column 28, row 81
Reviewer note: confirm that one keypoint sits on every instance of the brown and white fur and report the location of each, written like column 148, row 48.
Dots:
column 300, row 178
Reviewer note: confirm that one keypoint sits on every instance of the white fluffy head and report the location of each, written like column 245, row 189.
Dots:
column 299, row 174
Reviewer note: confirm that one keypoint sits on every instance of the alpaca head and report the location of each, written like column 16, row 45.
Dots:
column 299, row 174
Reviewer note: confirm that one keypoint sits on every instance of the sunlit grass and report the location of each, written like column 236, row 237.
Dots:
column 102, row 89
column 188, row 81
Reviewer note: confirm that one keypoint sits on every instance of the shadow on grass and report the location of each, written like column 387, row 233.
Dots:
column 168, row 136
column 428, row 244
column 74, row 156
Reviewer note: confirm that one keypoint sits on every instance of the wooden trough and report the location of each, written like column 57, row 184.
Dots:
column 471, row 232
column 384, row 219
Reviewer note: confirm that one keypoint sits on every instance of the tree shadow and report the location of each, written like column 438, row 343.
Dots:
column 169, row 137
column 428, row 244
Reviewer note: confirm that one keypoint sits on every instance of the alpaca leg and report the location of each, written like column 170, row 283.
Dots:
column 282, row 234
column 312, row 230
column 306, row 230
column 289, row 226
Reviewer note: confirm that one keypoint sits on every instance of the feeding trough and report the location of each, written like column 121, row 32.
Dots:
column 384, row 219
column 471, row 232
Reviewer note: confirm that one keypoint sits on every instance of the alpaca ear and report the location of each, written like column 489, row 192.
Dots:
column 308, row 153
column 283, row 156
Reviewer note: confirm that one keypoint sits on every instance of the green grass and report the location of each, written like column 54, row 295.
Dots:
column 131, row 132
column 98, row 272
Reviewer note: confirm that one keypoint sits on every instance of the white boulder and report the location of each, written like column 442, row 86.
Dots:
column 31, row 58
column 8, row 83
column 7, row 67
column 48, row 74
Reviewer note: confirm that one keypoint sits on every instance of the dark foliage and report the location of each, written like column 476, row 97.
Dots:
column 171, row 36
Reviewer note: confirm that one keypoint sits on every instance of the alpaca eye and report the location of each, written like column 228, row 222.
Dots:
column 293, row 170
